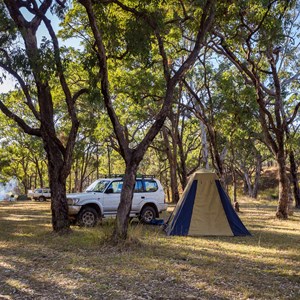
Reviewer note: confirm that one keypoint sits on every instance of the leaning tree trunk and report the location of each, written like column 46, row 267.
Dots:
column 121, row 227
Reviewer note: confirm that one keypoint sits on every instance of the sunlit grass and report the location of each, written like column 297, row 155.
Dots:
column 38, row 264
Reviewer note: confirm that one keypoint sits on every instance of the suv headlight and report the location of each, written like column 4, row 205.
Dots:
column 73, row 201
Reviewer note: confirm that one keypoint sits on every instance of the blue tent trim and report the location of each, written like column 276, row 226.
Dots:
column 236, row 225
column 182, row 219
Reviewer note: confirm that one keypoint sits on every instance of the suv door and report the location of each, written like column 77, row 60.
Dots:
column 46, row 193
column 112, row 197
column 138, row 197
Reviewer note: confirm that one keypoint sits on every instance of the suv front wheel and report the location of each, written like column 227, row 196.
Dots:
column 87, row 217
column 147, row 215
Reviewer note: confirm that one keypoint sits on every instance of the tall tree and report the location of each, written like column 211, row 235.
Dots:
column 205, row 106
column 33, row 64
column 258, row 45
column 150, row 19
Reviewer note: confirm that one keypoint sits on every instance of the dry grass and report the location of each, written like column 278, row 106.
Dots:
column 37, row 264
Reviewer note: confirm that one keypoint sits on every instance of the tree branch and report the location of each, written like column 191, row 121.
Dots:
column 24, row 89
column 19, row 121
column 101, row 54
column 292, row 118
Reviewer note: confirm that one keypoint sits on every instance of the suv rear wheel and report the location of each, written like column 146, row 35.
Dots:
column 148, row 214
column 42, row 198
column 87, row 217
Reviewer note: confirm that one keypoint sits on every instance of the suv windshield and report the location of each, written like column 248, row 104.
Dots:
column 98, row 186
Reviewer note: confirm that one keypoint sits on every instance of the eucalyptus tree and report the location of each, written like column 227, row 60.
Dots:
column 204, row 103
column 237, row 122
column 218, row 97
column 147, row 28
column 257, row 37
column 40, row 69
column 189, row 143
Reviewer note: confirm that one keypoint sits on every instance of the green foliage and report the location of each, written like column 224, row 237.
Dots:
column 137, row 82
column 137, row 37
column 7, row 28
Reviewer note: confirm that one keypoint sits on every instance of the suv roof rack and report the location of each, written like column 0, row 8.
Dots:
column 142, row 176
column 110, row 175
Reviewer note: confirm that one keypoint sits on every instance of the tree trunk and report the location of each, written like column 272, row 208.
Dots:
column 76, row 180
column 57, row 179
column 257, row 176
column 121, row 226
column 294, row 177
column 167, row 188
column 248, row 183
column 35, row 181
column 235, row 202
column 205, row 151
column 183, row 173
column 245, row 187
column 108, row 162
column 282, row 208
column 183, row 168
column 216, row 157
column 39, row 171
column 70, row 182
column 173, row 164
column 97, row 162
column 174, row 183
column 59, row 206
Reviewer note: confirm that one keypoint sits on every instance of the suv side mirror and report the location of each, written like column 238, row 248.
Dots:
column 109, row 191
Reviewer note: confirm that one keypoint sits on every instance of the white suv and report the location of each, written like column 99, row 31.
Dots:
column 102, row 198
column 40, row 194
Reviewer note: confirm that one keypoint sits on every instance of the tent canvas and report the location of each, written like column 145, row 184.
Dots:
column 204, row 209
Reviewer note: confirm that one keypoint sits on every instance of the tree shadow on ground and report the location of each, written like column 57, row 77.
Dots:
column 35, row 264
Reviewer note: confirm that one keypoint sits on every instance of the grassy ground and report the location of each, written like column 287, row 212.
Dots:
column 37, row 264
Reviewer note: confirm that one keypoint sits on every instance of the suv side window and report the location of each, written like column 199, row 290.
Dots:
column 116, row 186
column 150, row 186
column 138, row 186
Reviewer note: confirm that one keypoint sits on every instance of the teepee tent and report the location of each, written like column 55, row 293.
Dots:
column 205, row 210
